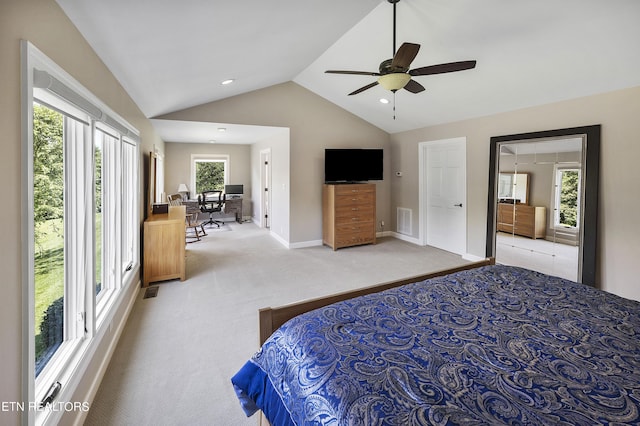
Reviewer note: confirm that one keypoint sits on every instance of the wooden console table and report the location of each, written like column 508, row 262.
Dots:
column 164, row 246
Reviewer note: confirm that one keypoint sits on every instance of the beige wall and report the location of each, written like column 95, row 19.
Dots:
column 315, row 124
column 44, row 24
column 619, row 200
column 177, row 163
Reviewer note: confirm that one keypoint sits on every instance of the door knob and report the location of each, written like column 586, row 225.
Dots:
column 458, row 205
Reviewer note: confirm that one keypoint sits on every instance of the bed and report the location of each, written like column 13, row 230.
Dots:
column 492, row 344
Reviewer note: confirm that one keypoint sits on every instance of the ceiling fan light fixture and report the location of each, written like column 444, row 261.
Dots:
column 394, row 81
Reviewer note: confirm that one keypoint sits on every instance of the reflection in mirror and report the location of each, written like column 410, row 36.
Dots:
column 513, row 188
column 540, row 205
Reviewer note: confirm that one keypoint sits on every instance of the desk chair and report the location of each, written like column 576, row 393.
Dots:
column 194, row 227
column 211, row 202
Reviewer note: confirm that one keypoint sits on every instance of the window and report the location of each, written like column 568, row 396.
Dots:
column 567, row 198
column 48, row 218
column 209, row 173
column 82, row 190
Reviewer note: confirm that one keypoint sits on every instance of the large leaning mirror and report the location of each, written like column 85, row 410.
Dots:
column 543, row 201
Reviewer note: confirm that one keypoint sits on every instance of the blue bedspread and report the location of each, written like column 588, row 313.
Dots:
column 493, row 345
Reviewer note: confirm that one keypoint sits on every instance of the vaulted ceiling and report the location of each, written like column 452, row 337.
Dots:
column 171, row 55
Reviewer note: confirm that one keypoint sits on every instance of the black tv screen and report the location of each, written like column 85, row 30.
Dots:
column 234, row 189
column 352, row 165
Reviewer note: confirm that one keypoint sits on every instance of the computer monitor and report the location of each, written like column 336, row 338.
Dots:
column 233, row 191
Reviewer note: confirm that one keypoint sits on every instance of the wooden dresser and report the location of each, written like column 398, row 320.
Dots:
column 522, row 219
column 348, row 214
column 164, row 246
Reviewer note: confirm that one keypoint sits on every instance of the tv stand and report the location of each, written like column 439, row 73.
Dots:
column 348, row 214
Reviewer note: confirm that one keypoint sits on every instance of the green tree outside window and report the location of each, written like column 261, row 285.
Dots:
column 209, row 176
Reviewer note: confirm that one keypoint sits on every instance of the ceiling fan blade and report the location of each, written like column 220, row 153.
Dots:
column 414, row 87
column 362, row 89
column 405, row 55
column 443, row 68
column 352, row 72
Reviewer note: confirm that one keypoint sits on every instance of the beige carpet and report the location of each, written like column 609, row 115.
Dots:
column 179, row 350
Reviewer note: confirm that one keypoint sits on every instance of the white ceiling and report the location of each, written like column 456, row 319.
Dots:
column 172, row 55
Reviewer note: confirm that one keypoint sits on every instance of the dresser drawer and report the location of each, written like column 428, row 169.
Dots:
column 362, row 235
column 359, row 211
column 355, row 199
column 354, row 189
column 354, row 228
column 525, row 229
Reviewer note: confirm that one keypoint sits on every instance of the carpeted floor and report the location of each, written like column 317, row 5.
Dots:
column 179, row 350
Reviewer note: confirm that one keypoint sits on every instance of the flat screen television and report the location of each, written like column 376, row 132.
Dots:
column 234, row 191
column 352, row 165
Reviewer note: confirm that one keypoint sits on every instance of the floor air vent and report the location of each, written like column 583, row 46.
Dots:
column 404, row 220
column 151, row 292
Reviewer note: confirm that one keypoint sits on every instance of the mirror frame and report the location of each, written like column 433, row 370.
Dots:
column 590, row 174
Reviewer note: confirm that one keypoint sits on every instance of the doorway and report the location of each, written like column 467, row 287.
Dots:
column 443, row 194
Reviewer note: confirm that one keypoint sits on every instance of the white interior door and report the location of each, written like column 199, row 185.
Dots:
column 443, row 192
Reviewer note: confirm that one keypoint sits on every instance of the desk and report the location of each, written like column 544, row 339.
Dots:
column 234, row 206
column 191, row 205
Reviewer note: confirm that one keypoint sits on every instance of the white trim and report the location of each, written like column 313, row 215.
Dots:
column 556, row 194
column 207, row 157
column 279, row 239
column 27, row 231
column 70, row 365
column 472, row 257
column 265, row 179
column 407, row 238
column 305, row 244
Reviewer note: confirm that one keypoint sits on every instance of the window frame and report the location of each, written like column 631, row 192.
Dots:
column 197, row 158
column 91, row 318
column 559, row 169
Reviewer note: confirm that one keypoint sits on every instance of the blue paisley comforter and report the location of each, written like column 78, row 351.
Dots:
column 493, row 345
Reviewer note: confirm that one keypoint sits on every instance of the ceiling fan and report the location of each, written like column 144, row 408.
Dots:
column 394, row 74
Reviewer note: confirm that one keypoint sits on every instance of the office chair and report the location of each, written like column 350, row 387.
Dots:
column 211, row 202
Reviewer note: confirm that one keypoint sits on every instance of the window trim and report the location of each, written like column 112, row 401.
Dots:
column 558, row 170
column 207, row 158
column 72, row 358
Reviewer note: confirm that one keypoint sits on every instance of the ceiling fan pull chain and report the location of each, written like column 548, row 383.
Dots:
column 394, row 104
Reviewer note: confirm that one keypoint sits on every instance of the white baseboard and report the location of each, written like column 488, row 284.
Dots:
column 279, row 239
column 304, row 244
column 409, row 239
column 403, row 237
column 472, row 257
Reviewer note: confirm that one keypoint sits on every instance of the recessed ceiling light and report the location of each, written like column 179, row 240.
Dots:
column 222, row 129
column 384, row 101
column 228, row 81
column 212, row 141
